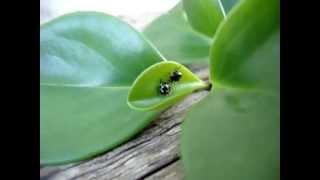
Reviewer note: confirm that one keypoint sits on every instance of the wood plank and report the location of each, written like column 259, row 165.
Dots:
column 172, row 172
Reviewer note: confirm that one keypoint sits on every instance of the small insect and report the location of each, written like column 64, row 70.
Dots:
column 176, row 75
column 164, row 88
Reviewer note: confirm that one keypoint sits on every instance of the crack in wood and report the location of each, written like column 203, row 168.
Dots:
column 173, row 171
column 150, row 173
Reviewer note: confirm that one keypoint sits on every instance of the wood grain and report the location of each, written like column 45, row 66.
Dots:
column 172, row 172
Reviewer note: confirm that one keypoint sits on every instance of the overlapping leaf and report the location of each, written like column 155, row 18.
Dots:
column 204, row 15
column 176, row 39
column 88, row 62
column 233, row 134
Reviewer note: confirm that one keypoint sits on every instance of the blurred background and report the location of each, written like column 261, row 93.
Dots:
column 137, row 13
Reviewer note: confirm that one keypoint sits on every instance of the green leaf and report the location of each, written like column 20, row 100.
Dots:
column 228, row 4
column 174, row 37
column 88, row 62
column 145, row 95
column 233, row 134
column 248, row 34
column 204, row 15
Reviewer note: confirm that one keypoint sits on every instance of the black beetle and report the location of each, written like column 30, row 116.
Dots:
column 164, row 88
column 175, row 76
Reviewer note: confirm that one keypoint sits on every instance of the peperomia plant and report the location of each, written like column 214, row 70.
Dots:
column 102, row 82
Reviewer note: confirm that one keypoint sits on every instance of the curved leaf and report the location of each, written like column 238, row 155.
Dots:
column 234, row 133
column 88, row 62
column 248, row 34
column 174, row 37
column 204, row 15
column 145, row 95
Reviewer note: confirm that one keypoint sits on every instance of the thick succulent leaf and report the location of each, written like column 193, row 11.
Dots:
column 234, row 133
column 145, row 94
column 88, row 62
column 204, row 15
column 174, row 37
column 245, row 52
column 228, row 4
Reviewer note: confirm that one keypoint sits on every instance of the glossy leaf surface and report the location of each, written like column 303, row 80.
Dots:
column 233, row 134
column 174, row 37
column 246, row 51
column 145, row 94
column 88, row 62
column 204, row 15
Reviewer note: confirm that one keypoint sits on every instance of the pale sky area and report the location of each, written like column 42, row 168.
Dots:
column 133, row 10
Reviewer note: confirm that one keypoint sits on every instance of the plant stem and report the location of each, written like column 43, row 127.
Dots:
column 207, row 87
